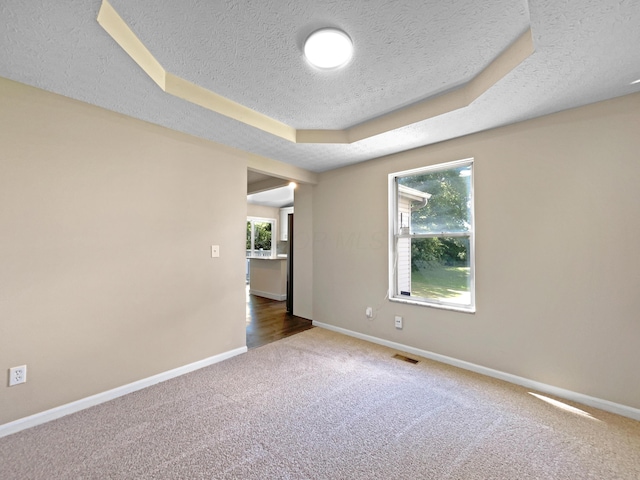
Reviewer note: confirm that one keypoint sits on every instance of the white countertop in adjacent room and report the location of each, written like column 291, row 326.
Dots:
column 277, row 257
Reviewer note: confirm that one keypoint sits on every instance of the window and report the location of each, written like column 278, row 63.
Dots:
column 259, row 235
column 431, row 259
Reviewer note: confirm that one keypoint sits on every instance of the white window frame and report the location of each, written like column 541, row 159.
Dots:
column 252, row 252
column 395, row 234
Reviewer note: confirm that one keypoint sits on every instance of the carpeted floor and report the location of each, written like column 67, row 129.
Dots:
column 320, row 405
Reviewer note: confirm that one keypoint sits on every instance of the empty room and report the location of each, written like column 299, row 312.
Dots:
column 455, row 261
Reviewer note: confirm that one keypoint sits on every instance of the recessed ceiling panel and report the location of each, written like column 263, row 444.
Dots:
column 251, row 52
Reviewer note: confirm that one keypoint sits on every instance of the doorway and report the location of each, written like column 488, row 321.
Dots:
column 268, row 244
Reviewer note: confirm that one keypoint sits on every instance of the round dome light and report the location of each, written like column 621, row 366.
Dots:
column 328, row 48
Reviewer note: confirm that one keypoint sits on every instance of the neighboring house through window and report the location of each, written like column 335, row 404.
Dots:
column 431, row 230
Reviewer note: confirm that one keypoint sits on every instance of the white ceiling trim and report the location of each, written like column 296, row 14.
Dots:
column 456, row 99
column 116, row 27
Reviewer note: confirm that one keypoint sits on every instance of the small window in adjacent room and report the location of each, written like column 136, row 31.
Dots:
column 431, row 260
column 259, row 237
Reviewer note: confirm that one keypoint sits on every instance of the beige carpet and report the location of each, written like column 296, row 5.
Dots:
column 320, row 405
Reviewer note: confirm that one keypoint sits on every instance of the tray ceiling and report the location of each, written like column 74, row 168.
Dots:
column 407, row 55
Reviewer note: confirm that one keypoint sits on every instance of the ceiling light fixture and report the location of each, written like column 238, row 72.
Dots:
column 328, row 48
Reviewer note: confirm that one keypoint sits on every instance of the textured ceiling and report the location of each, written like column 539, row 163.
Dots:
column 275, row 197
column 251, row 53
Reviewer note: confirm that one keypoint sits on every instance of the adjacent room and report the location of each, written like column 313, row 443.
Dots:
column 442, row 208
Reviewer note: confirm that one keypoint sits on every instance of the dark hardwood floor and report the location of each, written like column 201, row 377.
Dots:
column 268, row 321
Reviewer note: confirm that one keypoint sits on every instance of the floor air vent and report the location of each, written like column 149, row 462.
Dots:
column 405, row 359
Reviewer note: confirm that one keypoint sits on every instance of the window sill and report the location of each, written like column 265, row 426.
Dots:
column 441, row 306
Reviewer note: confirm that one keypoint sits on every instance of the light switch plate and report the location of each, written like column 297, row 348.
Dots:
column 215, row 251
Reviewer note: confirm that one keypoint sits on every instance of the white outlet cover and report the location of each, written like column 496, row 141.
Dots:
column 398, row 321
column 17, row 375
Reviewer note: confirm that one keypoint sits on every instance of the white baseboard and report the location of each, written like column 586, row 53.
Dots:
column 62, row 410
column 605, row 405
column 272, row 296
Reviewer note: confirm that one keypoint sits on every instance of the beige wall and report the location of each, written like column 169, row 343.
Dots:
column 557, row 266
column 303, row 252
column 262, row 211
column 106, row 275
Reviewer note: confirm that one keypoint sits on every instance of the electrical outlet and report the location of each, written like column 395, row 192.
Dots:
column 398, row 322
column 369, row 312
column 17, row 375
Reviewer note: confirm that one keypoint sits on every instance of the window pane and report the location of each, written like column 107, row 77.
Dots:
column 259, row 237
column 262, row 232
column 438, row 268
column 435, row 202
